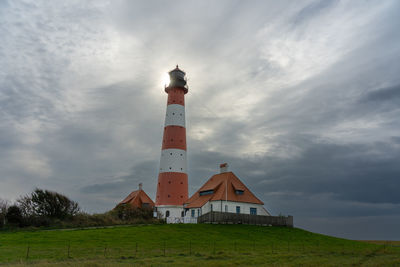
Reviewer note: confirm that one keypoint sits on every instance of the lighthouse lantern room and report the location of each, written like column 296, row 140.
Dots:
column 172, row 187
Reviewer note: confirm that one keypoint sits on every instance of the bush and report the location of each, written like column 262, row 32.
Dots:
column 45, row 203
column 39, row 221
column 110, row 218
column 127, row 212
column 14, row 215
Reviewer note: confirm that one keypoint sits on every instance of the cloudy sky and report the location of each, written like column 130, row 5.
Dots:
column 301, row 98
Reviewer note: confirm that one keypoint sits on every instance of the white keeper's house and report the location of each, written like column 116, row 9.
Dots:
column 223, row 192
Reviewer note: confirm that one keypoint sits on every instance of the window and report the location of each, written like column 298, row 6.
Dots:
column 207, row 192
column 226, row 208
column 182, row 214
column 193, row 213
column 167, row 213
column 237, row 209
column 198, row 213
column 253, row 211
column 239, row 192
column 211, row 207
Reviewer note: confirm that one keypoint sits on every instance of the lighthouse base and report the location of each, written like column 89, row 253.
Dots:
column 172, row 214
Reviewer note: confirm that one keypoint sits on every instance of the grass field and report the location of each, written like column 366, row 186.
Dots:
column 189, row 245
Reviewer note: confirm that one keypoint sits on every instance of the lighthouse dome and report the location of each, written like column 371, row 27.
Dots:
column 177, row 79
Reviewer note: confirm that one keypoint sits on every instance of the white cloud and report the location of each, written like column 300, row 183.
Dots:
column 29, row 162
column 300, row 49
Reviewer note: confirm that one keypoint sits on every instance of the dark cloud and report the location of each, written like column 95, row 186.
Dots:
column 395, row 139
column 359, row 228
column 311, row 10
column 144, row 172
column 384, row 94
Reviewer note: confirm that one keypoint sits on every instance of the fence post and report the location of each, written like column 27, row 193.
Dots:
column 214, row 246
column 27, row 251
column 164, row 248
column 136, row 250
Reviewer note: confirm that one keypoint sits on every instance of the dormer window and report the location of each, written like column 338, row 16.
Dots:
column 239, row 192
column 206, row 192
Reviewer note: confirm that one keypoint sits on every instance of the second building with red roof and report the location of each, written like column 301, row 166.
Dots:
column 223, row 192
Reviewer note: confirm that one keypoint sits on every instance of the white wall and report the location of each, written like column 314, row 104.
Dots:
column 174, row 211
column 244, row 208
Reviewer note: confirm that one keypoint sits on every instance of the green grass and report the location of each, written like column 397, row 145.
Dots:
column 195, row 245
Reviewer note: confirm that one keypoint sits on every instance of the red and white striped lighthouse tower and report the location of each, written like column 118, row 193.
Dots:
column 172, row 187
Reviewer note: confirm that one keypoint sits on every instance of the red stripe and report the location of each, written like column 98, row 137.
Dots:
column 172, row 188
column 176, row 96
column 174, row 137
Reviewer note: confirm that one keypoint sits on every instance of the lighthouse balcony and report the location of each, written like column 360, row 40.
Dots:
column 178, row 83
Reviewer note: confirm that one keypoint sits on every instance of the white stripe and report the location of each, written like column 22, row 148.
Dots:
column 173, row 160
column 175, row 115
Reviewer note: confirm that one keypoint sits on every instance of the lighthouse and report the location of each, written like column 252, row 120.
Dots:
column 172, row 186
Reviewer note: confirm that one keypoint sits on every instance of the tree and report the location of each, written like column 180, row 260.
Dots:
column 3, row 211
column 14, row 215
column 45, row 203
column 26, row 206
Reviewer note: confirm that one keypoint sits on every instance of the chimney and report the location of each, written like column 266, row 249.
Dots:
column 223, row 167
column 140, row 186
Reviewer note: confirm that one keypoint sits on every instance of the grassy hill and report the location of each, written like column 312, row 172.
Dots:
column 203, row 244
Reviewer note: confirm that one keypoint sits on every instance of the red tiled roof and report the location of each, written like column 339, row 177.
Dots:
column 224, row 186
column 137, row 198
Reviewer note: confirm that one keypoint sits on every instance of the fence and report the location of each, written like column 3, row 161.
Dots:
column 240, row 248
column 237, row 218
column 174, row 220
column 181, row 220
